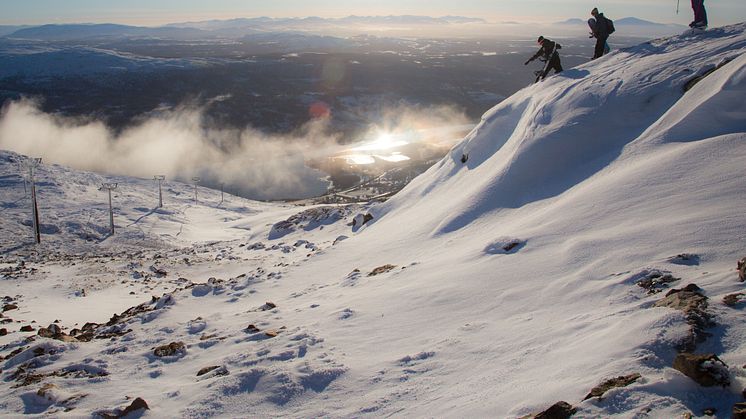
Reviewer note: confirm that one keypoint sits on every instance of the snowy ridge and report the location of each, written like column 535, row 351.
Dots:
column 526, row 275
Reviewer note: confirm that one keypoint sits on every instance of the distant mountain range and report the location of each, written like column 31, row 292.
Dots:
column 625, row 21
column 232, row 28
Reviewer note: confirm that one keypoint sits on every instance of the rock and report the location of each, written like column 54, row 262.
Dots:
column 268, row 306
column 159, row 272
column 3, row 331
column 271, row 333
column 27, row 329
column 361, row 219
column 739, row 411
column 510, row 246
column 8, row 307
column 742, row 269
column 732, row 300
column 205, row 370
column 136, row 405
column 707, row 370
column 559, row 410
column 219, row 371
column 655, row 281
column 173, row 348
column 710, row 411
column 621, row 381
column 694, row 304
column 45, row 391
column 685, row 259
column 382, row 269
column 253, row 329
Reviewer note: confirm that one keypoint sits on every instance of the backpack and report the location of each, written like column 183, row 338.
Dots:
column 610, row 25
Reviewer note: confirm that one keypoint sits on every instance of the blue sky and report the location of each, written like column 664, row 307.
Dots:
column 155, row 12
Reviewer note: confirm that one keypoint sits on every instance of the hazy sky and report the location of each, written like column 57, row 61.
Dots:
column 155, row 12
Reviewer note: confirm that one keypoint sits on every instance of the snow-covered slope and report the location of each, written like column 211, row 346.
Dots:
column 493, row 287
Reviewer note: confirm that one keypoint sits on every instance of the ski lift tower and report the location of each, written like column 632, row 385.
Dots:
column 196, row 180
column 110, row 187
column 159, row 179
column 33, row 164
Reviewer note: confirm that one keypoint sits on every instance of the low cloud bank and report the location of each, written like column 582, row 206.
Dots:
column 176, row 143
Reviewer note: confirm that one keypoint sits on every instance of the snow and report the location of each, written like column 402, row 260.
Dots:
column 489, row 288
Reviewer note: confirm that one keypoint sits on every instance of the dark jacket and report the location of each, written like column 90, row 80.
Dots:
column 602, row 27
column 546, row 49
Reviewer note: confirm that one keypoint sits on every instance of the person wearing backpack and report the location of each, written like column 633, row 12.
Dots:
column 700, row 15
column 603, row 28
column 550, row 55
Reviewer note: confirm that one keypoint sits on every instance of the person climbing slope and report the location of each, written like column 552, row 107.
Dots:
column 601, row 31
column 700, row 15
column 549, row 53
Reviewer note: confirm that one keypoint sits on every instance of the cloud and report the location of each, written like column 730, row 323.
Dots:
column 176, row 144
column 248, row 162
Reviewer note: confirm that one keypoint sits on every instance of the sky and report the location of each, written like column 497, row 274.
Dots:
column 157, row 12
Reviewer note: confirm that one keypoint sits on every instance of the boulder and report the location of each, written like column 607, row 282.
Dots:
column 8, row 307
column 27, row 328
column 707, row 369
column 3, row 331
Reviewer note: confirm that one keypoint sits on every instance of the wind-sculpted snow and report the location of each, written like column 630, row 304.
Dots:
column 551, row 137
column 593, row 230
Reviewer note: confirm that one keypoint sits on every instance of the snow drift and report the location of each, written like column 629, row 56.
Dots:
column 491, row 288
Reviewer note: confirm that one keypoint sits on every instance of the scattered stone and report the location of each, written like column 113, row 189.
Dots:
column 382, row 270
column 8, row 307
column 27, row 328
column 159, row 272
column 205, row 370
column 45, row 391
column 253, row 329
column 173, row 348
column 208, row 337
column 733, row 300
column 559, row 410
column 3, row 331
column 710, row 411
column 739, row 411
column 655, row 282
column 685, row 259
column 707, row 370
column 271, row 333
column 137, row 404
column 621, row 381
column 268, row 306
column 742, row 269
